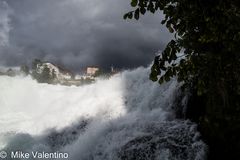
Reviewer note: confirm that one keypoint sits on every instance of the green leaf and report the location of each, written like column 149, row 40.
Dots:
column 163, row 21
column 161, row 80
column 151, row 7
column 152, row 78
column 136, row 14
column 125, row 16
column 167, row 78
column 171, row 30
column 173, row 54
column 134, row 3
column 142, row 10
column 182, row 61
column 130, row 15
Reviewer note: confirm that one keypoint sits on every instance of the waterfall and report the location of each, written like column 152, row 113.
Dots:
column 125, row 117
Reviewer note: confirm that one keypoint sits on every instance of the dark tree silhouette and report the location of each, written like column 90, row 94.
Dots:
column 204, row 55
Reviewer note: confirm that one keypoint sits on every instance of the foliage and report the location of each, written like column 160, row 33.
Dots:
column 207, row 32
column 103, row 74
column 24, row 69
column 10, row 72
column 42, row 73
column 87, row 81
column 45, row 75
column 98, row 73
column 204, row 55
column 35, row 64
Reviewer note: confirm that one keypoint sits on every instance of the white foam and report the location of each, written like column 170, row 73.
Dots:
column 118, row 110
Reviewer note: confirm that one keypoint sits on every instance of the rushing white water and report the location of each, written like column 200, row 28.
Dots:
column 124, row 117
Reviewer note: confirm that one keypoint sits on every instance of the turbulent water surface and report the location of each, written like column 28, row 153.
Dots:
column 125, row 117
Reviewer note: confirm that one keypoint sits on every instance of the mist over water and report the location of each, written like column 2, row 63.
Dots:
column 124, row 117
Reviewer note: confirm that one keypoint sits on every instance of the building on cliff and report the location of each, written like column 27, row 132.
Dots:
column 91, row 71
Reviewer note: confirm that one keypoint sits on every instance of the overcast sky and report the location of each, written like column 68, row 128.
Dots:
column 77, row 33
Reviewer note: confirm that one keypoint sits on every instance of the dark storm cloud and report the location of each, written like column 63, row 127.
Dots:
column 77, row 33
